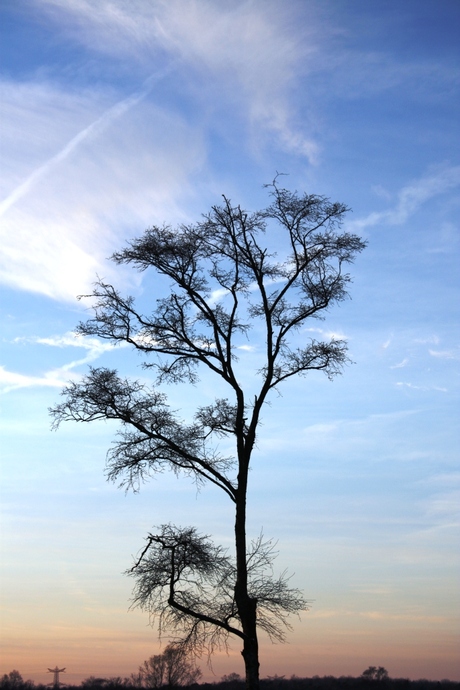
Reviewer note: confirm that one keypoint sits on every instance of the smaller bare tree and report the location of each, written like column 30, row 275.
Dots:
column 187, row 583
column 374, row 673
column 172, row 669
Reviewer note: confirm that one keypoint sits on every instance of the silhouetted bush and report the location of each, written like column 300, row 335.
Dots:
column 14, row 681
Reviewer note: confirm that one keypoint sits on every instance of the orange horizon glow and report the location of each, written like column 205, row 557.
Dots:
column 312, row 651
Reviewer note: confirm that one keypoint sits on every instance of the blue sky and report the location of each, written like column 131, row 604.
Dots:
column 118, row 115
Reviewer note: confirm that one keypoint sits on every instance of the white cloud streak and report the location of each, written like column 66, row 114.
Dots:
column 121, row 171
column 412, row 197
column 58, row 377
column 445, row 354
column 95, row 347
column 331, row 335
column 413, row 386
column 94, row 129
column 402, row 364
column 10, row 380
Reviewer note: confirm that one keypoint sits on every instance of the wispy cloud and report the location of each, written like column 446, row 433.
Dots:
column 445, row 354
column 402, row 364
column 216, row 296
column 412, row 197
column 413, row 386
column 350, row 435
column 59, row 376
column 95, row 348
column 94, row 129
column 249, row 52
column 331, row 335
column 123, row 169
column 10, row 380
column 88, row 168
column 431, row 340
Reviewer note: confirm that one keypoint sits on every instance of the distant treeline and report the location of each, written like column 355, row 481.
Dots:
column 14, row 681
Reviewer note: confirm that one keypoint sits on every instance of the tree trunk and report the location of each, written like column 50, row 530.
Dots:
column 247, row 606
column 251, row 648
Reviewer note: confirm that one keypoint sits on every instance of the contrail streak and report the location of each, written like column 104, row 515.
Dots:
column 93, row 129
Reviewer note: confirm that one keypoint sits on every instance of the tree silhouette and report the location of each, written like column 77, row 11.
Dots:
column 172, row 669
column 14, row 680
column 226, row 288
column 374, row 673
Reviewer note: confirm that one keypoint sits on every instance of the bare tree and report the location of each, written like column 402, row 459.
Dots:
column 226, row 286
column 173, row 669
column 374, row 673
column 14, row 681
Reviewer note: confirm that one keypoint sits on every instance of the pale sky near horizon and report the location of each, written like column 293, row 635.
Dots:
column 119, row 114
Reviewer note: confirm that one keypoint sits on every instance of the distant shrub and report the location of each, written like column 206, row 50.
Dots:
column 14, row 681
